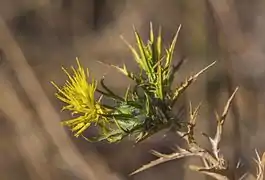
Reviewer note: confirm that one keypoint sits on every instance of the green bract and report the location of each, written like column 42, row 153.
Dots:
column 145, row 109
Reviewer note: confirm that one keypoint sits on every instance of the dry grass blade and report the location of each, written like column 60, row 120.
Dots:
column 261, row 166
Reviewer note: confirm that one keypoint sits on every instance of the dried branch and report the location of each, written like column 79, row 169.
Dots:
column 220, row 123
column 215, row 164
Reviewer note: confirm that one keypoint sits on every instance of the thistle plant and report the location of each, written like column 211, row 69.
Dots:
column 145, row 108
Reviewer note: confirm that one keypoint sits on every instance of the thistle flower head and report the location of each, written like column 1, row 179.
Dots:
column 79, row 96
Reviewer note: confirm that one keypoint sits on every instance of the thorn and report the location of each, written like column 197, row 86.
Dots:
column 204, row 69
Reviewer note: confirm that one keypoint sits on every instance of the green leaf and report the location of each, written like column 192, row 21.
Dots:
column 145, row 63
column 159, row 45
column 135, row 54
column 171, row 49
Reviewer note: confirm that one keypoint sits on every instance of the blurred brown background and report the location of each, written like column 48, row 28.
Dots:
column 37, row 37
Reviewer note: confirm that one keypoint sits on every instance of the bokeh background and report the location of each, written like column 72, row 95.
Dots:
column 37, row 37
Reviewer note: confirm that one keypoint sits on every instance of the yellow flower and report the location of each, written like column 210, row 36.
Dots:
column 78, row 95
